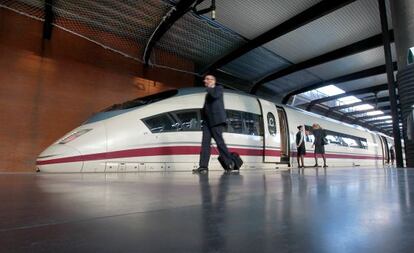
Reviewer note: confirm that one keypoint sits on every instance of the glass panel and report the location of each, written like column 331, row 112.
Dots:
column 160, row 123
column 234, row 122
column 364, row 143
column 309, row 137
column 189, row 120
column 333, row 139
column 350, row 142
column 340, row 139
column 252, row 124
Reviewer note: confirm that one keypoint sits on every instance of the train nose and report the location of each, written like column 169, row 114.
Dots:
column 59, row 158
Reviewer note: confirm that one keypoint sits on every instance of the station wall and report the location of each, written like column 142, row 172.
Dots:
column 49, row 87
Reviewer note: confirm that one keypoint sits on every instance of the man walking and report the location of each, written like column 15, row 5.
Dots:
column 214, row 121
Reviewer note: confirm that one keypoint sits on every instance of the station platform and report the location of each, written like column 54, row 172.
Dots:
column 308, row 210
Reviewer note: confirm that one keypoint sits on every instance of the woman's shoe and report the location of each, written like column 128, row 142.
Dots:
column 325, row 166
column 316, row 165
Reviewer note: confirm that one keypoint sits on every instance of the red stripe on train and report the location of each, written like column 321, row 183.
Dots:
column 185, row 150
column 339, row 156
column 156, row 151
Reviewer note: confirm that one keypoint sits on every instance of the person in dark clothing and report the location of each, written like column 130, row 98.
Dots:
column 392, row 155
column 319, row 143
column 214, row 121
column 300, row 144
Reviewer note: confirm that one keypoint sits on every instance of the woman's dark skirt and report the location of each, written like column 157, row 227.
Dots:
column 319, row 149
column 301, row 150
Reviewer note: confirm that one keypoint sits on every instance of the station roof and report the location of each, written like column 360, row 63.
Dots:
column 283, row 50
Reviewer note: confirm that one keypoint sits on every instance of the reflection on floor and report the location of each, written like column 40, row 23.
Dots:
column 311, row 210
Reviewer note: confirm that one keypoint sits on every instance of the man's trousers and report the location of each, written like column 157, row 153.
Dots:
column 215, row 132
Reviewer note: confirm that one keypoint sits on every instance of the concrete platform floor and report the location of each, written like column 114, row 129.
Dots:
column 333, row 210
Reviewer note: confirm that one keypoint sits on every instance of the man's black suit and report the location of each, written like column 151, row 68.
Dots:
column 214, row 121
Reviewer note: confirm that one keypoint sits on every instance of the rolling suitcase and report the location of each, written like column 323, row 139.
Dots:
column 238, row 162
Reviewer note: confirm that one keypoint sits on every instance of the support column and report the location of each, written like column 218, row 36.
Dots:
column 402, row 12
column 391, row 85
column 49, row 16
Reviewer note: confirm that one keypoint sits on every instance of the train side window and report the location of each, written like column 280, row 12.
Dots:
column 337, row 138
column 309, row 137
column 252, row 124
column 333, row 139
column 350, row 142
column 189, row 120
column 364, row 143
column 161, row 123
column 234, row 122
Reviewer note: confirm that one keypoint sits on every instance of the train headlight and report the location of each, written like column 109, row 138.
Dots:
column 73, row 136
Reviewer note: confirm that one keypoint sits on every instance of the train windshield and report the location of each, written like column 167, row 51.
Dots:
column 117, row 109
column 141, row 101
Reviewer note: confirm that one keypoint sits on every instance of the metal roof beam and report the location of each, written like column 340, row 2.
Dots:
column 173, row 14
column 354, row 121
column 384, row 125
column 373, row 117
column 364, row 101
column 370, row 117
column 357, row 47
column 315, row 12
column 341, row 107
column 375, row 122
column 372, row 89
column 349, row 77
column 387, row 107
column 389, row 128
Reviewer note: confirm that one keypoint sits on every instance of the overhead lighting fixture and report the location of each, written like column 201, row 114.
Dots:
column 330, row 90
column 349, row 100
column 375, row 113
column 361, row 107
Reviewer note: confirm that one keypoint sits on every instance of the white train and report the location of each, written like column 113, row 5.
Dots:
column 161, row 132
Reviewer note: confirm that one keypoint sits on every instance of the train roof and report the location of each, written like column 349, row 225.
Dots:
column 130, row 105
column 163, row 95
column 117, row 109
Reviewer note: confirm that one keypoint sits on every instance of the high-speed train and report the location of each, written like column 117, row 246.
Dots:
column 162, row 132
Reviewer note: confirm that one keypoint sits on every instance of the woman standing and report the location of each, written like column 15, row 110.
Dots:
column 319, row 143
column 300, row 144
column 392, row 154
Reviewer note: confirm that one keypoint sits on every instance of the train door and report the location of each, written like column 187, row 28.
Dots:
column 272, row 134
column 284, row 133
column 385, row 150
